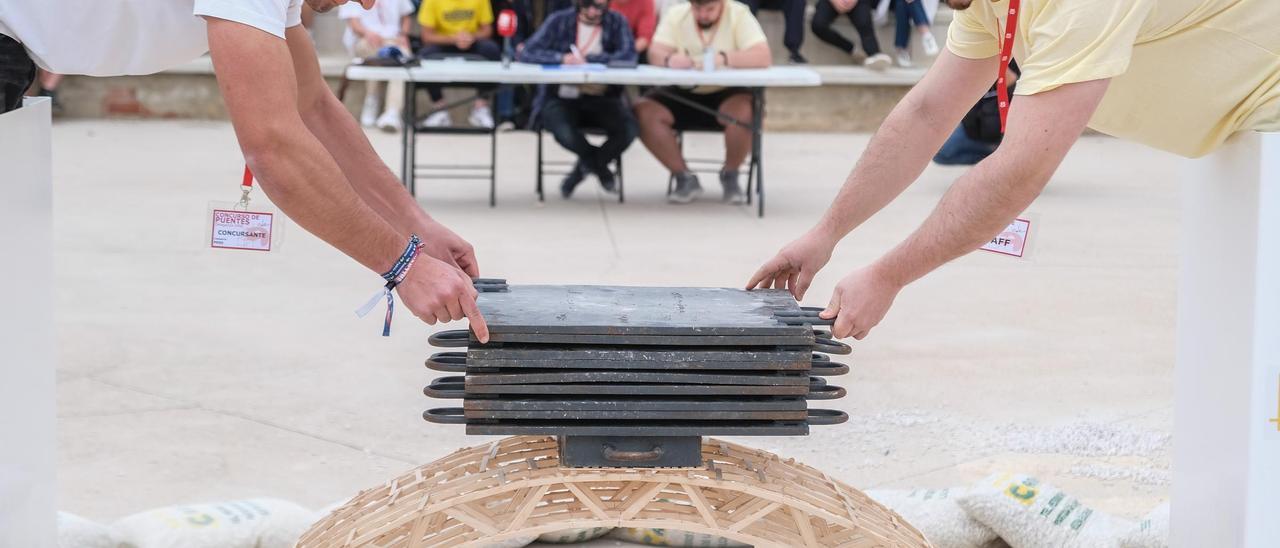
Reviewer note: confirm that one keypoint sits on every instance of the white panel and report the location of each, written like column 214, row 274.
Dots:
column 27, row 413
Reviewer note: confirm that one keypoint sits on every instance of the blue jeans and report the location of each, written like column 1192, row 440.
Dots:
column 908, row 14
column 961, row 150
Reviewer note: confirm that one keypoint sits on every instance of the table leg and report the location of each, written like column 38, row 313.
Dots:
column 757, row 136
column 412, row 129
column 406, row 170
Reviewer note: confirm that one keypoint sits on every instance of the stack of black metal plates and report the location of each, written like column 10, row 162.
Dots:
column 638, row 361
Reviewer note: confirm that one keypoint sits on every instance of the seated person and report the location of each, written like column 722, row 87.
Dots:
column 457, row 27
column 793, row 24
column 385, row 24
column 685, row 33
column 859, row 13
column 641, row 17
column 589, row 34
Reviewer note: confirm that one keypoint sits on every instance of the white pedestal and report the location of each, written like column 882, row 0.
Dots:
column 1226, row 478
column 28, row 454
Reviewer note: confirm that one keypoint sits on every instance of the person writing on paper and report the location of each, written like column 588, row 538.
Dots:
column 1092, row 63
column 592, row 33
column 718, row 34
column 310, row 156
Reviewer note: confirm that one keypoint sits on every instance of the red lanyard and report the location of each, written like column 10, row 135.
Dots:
column 248, row 178
column 1010, row 31
column 590, row 40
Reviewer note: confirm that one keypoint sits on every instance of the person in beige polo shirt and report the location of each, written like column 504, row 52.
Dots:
column 1177, row 75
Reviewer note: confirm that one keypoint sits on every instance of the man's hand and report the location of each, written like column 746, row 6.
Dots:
column 859, row 302
column 321, row 6
column 571, row 59
column 464, row 40
column 642, row 44
column 435, row 291
column 374, row 40
column 794, row 267
column 679, row 61
column 443, row 244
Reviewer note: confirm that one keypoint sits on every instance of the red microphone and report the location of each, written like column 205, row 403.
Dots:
column 507, row 23
column 506, row 29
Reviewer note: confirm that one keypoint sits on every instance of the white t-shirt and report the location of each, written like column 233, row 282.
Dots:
column 117, row 37
column 383, row 19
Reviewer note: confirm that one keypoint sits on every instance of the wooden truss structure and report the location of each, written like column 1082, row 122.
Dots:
column 515, row 487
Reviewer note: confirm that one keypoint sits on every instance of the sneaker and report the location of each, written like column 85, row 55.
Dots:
column 480, row 117
column 687, row 189
column 732, row 192
column 796, row 59
column 572, row 180
column 878, row 62
column 929, row 43
column 390, row 121
column 903, row 59
column 439, row 118
column 369, row 113
column 607, row 181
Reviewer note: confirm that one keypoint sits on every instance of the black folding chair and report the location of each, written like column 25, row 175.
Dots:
column 562, row 167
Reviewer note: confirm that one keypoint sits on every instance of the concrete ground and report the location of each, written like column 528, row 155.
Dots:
column 192, row 375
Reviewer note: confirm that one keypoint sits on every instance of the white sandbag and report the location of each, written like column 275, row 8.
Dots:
column 671, row 537
column 517, row 542
column 1028, row 513
column 77, row 532
column 575, row 535
column 1151, row 532
column 936, row 513
column 255, row 523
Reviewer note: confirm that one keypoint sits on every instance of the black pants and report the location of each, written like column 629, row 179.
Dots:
column 792, row 14
column 825, row 14
column 566, row 118
column 17, row 72
column 487, row 49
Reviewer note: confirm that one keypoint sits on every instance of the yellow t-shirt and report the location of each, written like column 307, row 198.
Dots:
column 737, row 29
column 449, row 17
column 1185, row 74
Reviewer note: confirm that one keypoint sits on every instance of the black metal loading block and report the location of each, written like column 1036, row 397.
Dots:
column 627, row 376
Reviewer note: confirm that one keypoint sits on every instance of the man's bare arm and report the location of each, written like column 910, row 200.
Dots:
column 757, row 56
column 377, row 186
column 257, row 80
column 895, row 157
column 914, row 131
column 1041, row 130
column 256, row 76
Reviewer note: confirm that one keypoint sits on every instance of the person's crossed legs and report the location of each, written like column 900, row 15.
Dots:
column 566, row 119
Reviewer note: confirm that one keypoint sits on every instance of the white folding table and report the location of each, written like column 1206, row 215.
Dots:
column 492, row 72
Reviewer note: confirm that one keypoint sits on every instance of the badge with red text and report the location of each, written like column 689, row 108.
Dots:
column 242, row 225
column 237, row 229
column 1012, row 240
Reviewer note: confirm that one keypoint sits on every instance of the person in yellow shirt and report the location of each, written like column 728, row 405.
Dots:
column 1178, row 75
column 727, row 30
column 456, row 28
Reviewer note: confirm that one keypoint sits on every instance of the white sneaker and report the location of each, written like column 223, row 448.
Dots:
column 903, row 59
column 480, row 117
column 439, row 118
column 390, row 121
column 369, row 114
column 878, row 62
column 929, row 44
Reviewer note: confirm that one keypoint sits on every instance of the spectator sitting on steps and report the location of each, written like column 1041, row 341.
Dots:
column 859, row 13
column 689, row 35
column 385, row 24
